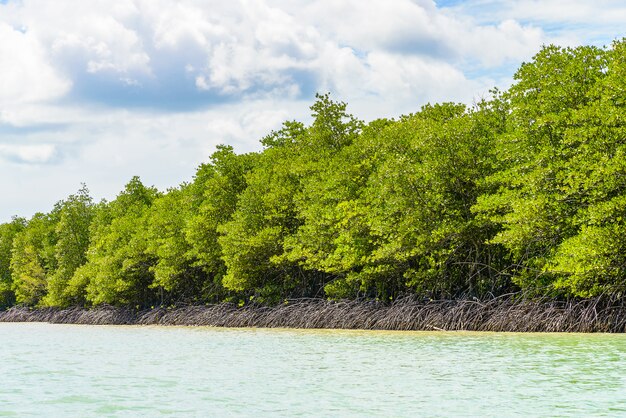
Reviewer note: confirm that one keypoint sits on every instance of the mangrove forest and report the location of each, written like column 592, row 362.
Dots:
column 523, row 192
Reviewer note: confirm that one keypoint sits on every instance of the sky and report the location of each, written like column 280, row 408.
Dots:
column 96, row 92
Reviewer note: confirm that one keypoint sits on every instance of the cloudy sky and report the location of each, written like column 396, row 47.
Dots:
column 98, row 91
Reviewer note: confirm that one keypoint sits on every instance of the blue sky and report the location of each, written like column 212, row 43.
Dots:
column 150, row 87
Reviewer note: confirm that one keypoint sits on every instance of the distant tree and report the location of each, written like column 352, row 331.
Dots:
column 391, row 213
column 72, row 232
column 33, row 258
column 215, row 190
column 8, row 231
column 266, row 214
column 118, row 268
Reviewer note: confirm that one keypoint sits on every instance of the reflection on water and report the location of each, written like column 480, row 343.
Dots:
column 67, row 370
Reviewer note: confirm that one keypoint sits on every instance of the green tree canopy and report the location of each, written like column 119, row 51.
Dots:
column 72, row 233
column 8, row 231
column 33, row 258
column 118, row 268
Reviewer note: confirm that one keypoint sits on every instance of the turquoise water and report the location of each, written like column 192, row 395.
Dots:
column 81, row 371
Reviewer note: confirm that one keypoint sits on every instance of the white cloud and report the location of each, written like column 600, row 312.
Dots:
column 573, row 11
column 417, row 28
column 31, row 154
column 105, row 149
column 495, row 45
column 149, row 87
column 98, row 38
column 565, row 22
column 248, row 47
column 176, row 23
column 25, row 74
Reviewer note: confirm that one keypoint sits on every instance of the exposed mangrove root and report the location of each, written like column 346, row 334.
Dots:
column 499, row 314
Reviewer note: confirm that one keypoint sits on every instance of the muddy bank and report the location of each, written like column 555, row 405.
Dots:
column 499, row 314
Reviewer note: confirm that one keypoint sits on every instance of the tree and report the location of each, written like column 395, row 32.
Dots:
column 394, row 213
column 118, row 267
column 266, row 215
column 8, row 231
column 214, row 195
column 592, row 260
column 72, row 232
column 32, row 258
column 561, row 171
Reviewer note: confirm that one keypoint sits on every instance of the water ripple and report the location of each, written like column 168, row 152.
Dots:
column 65, row 370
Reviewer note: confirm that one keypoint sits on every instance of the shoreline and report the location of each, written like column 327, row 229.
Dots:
column 499, row 314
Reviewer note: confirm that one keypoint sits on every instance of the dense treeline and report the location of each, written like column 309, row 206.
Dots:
column 525, row 190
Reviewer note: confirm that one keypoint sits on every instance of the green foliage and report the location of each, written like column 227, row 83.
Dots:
column 264, row 215
column 591, row 260
column 253, row 243
column 215, row 192
column 332, row 235
column 72, row 233
column 391, row 212
column 118, row 269
column 33, row 258
column 8, row 231
column 559, row 196
column 166, row 240
column 525, row 190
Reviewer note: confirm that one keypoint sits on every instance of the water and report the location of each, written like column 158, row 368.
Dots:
column 71, row 370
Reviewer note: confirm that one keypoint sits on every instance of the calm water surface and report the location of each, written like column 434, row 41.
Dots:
column 72, row 370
